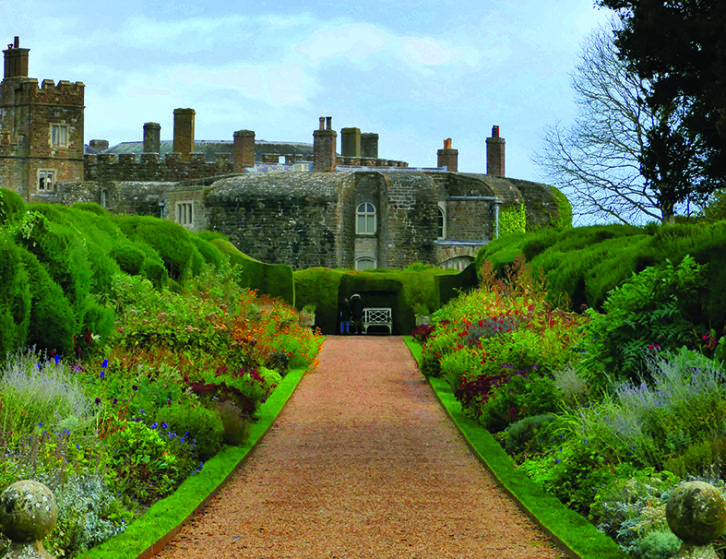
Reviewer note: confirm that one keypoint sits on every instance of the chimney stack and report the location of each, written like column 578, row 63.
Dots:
column 495, row 154
column 369, row 145
column 152, row 137
column 324, row 142
column 16, row 60
column 184, row 132
column 350, row 142
column 244, row 150
column 448, row 157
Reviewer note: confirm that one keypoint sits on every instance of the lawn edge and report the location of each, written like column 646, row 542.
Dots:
column 574, row 534
column 148, row 534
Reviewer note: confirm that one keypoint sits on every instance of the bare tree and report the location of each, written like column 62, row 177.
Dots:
column 596, row 161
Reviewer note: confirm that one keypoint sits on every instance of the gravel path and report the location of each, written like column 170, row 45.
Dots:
column 362, row 462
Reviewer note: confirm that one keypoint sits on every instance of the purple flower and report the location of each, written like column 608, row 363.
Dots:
column 115, row 401
column 134, row 388
column 104, row 365
column 97, row 401
column 164, row 425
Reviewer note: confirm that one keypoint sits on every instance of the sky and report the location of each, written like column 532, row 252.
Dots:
column 414, row 72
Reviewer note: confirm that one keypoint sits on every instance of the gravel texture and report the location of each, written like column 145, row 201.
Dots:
column 362, row 462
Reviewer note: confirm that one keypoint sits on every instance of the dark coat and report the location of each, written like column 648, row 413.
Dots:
column 344, row 310
column 356, row 306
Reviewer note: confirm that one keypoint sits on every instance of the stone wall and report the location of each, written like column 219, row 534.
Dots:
column 289, row 218
column 149, row 167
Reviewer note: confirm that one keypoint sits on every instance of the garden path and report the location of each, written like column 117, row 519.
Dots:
column 362, row 462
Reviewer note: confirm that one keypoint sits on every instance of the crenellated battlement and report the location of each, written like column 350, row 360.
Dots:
column 153, row 167
column 50, row 93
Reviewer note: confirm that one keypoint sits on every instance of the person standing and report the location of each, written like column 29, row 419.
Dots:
column 344, row 313
column 356, row 312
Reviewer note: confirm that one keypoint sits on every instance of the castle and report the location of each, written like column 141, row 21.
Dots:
column 300, row 204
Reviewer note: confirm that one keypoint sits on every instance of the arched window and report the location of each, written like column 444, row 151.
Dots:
column 365, row 263
column 441, row 224
column 365, row 219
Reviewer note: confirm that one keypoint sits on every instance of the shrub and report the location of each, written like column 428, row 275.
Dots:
column 656, row 308
column 35, row 391
column 520, row 433
column 15, row 300
column 12, row 207
column 203, row 426
column 129, row 257
column 52, row 320
column 155, row 271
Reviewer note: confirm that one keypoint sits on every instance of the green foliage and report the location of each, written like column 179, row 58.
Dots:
column 520, row 433
column 15, row 300
column 275, row 280
column 170, row 240
column 129, row 257
column 143, row 467
column 564, row 210
column 656, row 308
column 512, row 220
column 52, row 320
column 12, row 207
column 203, row 426
column 212, row 255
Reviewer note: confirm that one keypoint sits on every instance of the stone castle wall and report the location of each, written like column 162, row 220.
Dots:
column 150, row 167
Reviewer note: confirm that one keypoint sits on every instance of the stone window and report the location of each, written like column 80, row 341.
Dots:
column 46, row 180
column 59, row 135
column 185, row 213
column 441, row 222
column 365, row 219
column 365, row 263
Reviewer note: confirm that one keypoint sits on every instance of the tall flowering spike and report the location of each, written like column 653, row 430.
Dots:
column 56, row 358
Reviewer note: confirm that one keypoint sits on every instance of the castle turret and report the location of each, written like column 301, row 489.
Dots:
column 42, row 129
column 495, row 153
column 448, row 157
column 184, row 132
column 324, row 141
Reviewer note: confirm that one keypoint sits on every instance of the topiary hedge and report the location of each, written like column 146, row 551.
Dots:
column 276, row 280
column 406, row 292
column 15, row 301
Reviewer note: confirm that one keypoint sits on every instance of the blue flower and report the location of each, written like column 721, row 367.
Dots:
column 57, row 358
column 101, row 375
column 104, row 365
column 154, row 425
column 164, row 425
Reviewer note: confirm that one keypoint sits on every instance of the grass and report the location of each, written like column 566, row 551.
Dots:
column 570, row 530
column 148, row 534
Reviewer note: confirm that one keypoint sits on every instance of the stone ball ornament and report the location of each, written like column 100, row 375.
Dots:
column 696, row 513
column 28, row 511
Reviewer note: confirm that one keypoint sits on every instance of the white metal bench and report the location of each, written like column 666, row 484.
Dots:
column 377, row 317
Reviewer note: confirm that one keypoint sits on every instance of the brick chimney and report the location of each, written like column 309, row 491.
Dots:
column 16, row 60
column 184, row 132
column 324, row 142
column 152, row 137
column 350, row 142
column 448, row 157
column 98, row 145
column 495, row 154
column 244, row 150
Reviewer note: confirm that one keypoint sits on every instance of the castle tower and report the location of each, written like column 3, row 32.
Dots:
column 152, row 137
column 41, row 139
column 448, row 157
column 244, row 150
column 495, row 154
column 324, row 141
column 184, row 132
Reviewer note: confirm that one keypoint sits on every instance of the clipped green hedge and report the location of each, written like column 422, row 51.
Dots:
column 12, row 207
column 405, row 292
column 15, row 303
column 276, row 280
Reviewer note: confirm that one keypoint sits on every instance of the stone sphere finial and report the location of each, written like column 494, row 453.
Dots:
column 696, row 513
column 28, row 512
